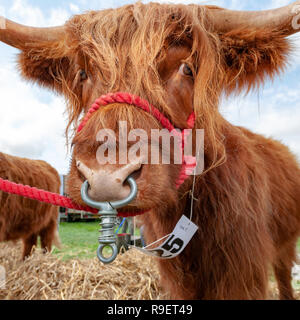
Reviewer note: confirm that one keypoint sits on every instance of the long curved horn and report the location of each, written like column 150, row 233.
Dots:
column 18, row 35
column 285, row 19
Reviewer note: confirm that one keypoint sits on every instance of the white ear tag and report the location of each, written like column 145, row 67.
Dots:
column 176, row 241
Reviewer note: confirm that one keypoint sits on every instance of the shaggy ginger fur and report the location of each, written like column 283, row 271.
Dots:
column 22, row 218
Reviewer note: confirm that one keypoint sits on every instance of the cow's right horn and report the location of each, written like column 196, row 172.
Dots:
column 19, row 36
column 285, row 19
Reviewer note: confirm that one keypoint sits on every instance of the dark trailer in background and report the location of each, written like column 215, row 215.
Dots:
column 70, row 215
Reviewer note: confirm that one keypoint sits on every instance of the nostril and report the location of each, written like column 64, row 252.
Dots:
column 80, row 172
column 81, row 176
column 130, row 170
column 137, row 173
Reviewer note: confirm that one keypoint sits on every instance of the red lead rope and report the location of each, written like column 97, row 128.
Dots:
column 49, row 197
column 41, row 195
column 33, row 193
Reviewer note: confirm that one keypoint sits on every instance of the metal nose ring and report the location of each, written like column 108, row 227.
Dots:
column 108, row 215
column 105, row 205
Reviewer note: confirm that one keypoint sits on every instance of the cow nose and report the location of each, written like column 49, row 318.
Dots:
column 108, row 186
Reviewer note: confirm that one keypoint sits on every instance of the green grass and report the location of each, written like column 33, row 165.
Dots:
column 79, row 240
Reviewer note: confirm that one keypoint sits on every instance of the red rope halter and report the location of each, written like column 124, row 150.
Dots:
column 119, row 97
column 188, row 162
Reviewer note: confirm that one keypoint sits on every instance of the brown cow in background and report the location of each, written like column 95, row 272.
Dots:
column 22, row 218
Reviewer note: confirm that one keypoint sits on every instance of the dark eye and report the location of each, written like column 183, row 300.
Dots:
column 83, row 75
column 186, row 70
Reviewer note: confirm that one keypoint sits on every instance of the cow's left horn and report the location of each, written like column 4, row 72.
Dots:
column 285, row 19
column 18, row 35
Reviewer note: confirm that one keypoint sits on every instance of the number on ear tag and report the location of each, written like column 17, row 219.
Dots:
column 176, row 242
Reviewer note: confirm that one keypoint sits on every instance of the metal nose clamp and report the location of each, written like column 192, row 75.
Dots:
column 108, row 215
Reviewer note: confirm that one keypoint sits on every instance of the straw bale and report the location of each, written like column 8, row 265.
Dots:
column 132, row 276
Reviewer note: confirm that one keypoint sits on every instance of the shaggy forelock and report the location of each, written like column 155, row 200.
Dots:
column 125, row 45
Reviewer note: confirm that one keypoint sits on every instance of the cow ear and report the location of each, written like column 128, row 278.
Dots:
column 45, row 63
column 251, row 56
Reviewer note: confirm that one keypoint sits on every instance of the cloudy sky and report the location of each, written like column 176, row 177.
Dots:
column 32, row 120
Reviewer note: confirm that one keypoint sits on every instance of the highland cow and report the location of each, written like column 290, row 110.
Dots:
column 181, row 58
column 22, row 218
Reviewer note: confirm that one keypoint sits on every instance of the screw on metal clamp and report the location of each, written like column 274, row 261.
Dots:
column 108, row 215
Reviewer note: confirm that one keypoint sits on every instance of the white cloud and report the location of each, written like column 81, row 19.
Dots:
column 2, row 11
column 278, row 3
column 22, row 12
column 58, row 17
column 74, row 8
column 28, row 127
column 275, row 113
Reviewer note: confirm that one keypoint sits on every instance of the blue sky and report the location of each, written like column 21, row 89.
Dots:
column 32, row 120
